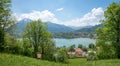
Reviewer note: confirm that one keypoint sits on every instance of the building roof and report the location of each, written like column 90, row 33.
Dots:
column 78, row 51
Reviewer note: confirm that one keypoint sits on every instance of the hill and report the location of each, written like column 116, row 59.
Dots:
column 21, row 24
column 55, row 28
column 17, row 60
column 90, row 29
column 84, row 32
column 80, row 27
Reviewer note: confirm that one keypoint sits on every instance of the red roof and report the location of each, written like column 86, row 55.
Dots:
column 78, row 51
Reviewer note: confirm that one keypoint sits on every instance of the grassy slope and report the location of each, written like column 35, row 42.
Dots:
column 13, row 60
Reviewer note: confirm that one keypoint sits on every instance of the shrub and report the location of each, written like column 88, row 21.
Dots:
column 28, row 52
column 91, row 55
column 106, row 51
column 12, row 45
column 61, row 55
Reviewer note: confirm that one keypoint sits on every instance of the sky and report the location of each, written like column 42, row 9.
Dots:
column 75, row 13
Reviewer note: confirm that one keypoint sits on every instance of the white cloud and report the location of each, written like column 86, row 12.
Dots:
column 59, row 9
column 35, row 15
column 91, row 18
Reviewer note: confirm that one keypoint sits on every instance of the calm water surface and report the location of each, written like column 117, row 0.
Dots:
column 67, row 42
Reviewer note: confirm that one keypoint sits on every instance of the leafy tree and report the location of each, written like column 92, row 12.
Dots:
column 36, row 32
column 80, row 46
column 6, row 20
column 110, row 34
column 85, row 48
column 91, row 46
column 71, row 48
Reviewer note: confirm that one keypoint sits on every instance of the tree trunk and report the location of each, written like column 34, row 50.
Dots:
column 35, row 51
column 2, row 41
column 118, row 39
column 42, row 51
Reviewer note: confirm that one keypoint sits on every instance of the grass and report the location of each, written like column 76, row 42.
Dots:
column 17, row 60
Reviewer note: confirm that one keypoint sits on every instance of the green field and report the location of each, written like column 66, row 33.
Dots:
column 17, row 60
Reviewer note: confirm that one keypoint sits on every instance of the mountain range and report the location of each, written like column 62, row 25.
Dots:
column 56, row 28
column 90, row 29
column 52, row 27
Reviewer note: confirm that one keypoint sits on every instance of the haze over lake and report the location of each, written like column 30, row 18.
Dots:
column 67, row 42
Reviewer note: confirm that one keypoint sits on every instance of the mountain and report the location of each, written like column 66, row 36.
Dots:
column 77, row 28
column 52, row 27
column 90, row 29
column 21, row 25
column 55, row 28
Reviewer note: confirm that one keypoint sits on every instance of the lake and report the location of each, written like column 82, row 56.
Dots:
column 67, row 42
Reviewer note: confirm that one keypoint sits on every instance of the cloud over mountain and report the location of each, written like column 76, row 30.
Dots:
column 35, row 15
column 90, row 18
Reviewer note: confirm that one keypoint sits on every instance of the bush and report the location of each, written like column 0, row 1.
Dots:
column 61, row 55
column 91, row 55
column 12, row 45
column 28, row 52
column 48, row 50
column 106, row 51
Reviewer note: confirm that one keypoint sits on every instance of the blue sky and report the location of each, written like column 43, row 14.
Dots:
column 66, row 12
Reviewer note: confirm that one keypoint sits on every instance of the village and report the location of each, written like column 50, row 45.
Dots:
column 73, row 52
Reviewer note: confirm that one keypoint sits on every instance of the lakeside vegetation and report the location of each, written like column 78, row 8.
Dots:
column 83, row 32
column 70, row 35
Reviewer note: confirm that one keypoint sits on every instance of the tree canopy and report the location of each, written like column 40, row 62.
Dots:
column 37, row 33
column 110, row 34
column 6, row 20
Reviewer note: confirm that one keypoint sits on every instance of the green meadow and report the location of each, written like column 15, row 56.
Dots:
column 18, row 60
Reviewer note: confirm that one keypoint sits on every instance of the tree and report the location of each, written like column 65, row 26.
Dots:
column 38, row 35
column 110, row 34
column 71, row 48
column 80, row 46
column 6, row 20
column 92, row 46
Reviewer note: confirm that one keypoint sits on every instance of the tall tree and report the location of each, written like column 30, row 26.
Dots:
column 110, row 34
column 6, row 20
column 38, row 35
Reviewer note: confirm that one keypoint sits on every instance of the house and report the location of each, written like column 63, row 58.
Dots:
column 78, row 53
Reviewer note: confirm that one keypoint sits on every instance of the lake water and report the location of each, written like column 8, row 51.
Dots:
column 67, row 42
